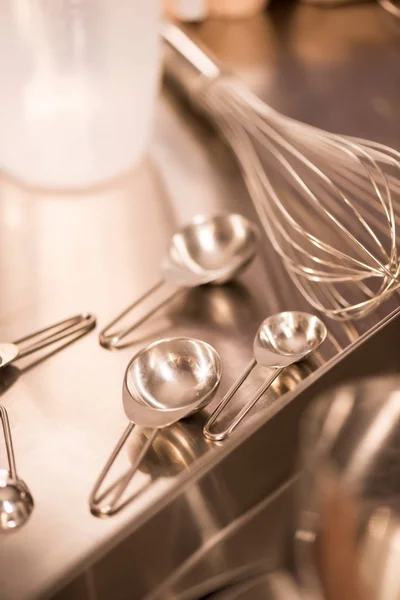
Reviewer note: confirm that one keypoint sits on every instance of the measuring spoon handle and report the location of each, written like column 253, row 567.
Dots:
column 218, row 436
column 96, row 499
column 117, row 339
column 77, row 325
column 8, row 442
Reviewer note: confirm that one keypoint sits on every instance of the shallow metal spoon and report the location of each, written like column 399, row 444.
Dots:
column 163, row 383
column 208, row 250
column 11, row 351
column 281, row 340
column 16, row 503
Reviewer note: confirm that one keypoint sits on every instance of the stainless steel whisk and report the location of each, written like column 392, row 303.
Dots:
column 327, row 202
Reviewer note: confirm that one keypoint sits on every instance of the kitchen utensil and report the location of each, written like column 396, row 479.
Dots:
column 327, row 202
column 208, row 250
column 11, row 351
column 281, row 340
column 347, row 539
column 16, row 503
column 164, row 382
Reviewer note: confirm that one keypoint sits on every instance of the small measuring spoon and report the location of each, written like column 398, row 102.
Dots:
column 281, row 340
column 16, row 503
column 164, row 382
column 208, row 250
column 11, row 351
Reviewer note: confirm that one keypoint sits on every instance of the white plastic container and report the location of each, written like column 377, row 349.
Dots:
column 78, row 80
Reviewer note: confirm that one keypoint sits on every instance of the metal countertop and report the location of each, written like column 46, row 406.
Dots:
column 64, row 253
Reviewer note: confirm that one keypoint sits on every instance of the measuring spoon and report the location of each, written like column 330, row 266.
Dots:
column 164, row 382
column 16, row 503
column 208, row 250
column 281, row 340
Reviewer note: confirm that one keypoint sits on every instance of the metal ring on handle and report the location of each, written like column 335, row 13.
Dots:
column 221, row 435
column 8, row 443
column 79, row 324
column 111, row 508
column 110, row 339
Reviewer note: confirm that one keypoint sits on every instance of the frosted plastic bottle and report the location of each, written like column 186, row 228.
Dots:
column 78, row 80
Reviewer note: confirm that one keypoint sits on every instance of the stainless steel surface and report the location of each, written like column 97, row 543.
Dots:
column 304, row 62
column 281, row 340
column 349, row 504
column 16, row 502
column 163, row 383
column 72, row 327
column 344, row 260
column 234, row 510
column 271, row 586
column 208, row 250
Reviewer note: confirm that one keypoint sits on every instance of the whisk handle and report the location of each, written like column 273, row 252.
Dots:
column 186, row 64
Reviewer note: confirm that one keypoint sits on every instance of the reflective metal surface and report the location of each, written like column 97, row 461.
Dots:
column 233, row 515
column 208, row 250
column 270, row 586
column 170, row 379
column 288, row 337
column 281, row 340
column 164, row 383
column 349, row 512
column 16, row 503
column 59, row 253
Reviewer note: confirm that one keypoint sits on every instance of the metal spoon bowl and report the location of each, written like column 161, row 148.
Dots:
column 165, row 382
column 16, row 502
column 287, row 337
column 210, row 250
column 168, row 380
column 8, row 353
column 281, row 340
